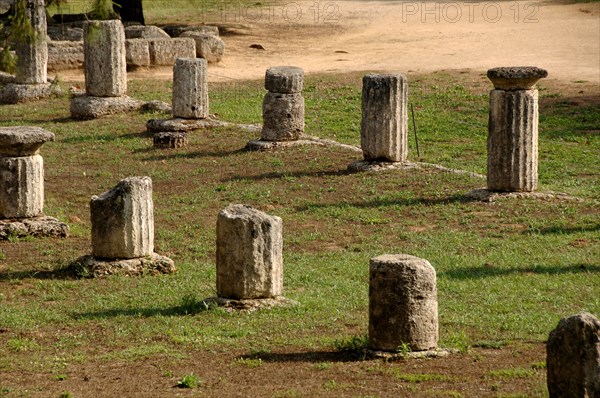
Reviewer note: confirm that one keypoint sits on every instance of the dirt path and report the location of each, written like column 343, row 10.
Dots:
column 344, row 36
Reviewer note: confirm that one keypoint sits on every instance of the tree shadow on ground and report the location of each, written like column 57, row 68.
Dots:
column 458, row 198
column 310, row 357
column 567, row 230
column 188, row 306
column 280, row 175
column 63, row 273
column 465, row 273
column 189, row 155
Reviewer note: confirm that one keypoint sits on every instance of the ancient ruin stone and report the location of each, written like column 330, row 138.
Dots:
column 283, row 117
column 249, row 254
column 137, row 52
column 65, row 33
column 88, row 107
column 402, row 303
column 573, row 358
column 384, row 124
column 208, row 46
column 284, row 79
column 170, row 140
column 105, row 62
column 166, row 51
column 42, row 226
column 22, row 140
column 190, row 88
column 22, row 189
column 153, row 264
column 516, row 77
column 145, row 32
column 513, row 141
column 178, row 30
column 123, row 220
column 32, row 54
column 65, row 55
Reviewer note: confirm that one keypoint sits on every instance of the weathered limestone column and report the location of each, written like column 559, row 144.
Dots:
column 283, row 105
column 190, row 88
column 573, row 358
column 513, row 129
column 402, row 303
column 249, row 254
column 32, row 55
column 104, row 54
column 384, row 122
column 123, row 220
column 22, row 184
column 22, row 171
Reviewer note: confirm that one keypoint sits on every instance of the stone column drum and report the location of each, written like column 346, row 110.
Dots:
column 283, row 105
column 402, row 303
column 123, row 220
column 104, row 55
column 573, row 358
column 32, row 54
column 383, row 129
column 22, row 171
column 190, row 88
column 513, row 129
column 249, row 254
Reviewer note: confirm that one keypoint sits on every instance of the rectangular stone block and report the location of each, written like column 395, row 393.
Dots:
column 166, row 51
column 249, row 254
column 123, row 220
column 22, row 188
column 190, row 88
column 137, row 52
column 105, row 62
column 65, row 55
column 384, row 124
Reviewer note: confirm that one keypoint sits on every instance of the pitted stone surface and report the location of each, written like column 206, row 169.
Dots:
column 190, row 88
column 284, row 79
column 123, row 220
column 249, row 254
column 513, row 141
column 65, row 55
column 166, row 51
column 178, row 30
column 170, row 140
column 573, row 358
column 283, row 117
column 23, row 140
column 32, row 54
column 22, row 189
column 179, row 124
column 384, row 125
column 88, row 107
column 105, row 63
column 208, row 46
column 145, row 32
column 137, row 52
column 18, row 93
column 151, row 264
column 402, row 303
column 516, row 77
column 36, row 226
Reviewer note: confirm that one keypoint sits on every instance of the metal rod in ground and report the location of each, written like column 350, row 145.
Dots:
column 412, row 110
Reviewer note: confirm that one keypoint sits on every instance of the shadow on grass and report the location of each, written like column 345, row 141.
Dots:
column 189, row 155
column 392, row 202
column 567, row 230
column 280, row 175
column 188, row 306
column 105, row 137
column 310, row 357
column 38, row 274
column 490, row 271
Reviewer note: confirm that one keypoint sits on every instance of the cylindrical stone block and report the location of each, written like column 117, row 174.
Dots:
column 283, row 117
column 573, row 358
column 284, row 79
column 249, row 254
column 383, row 129
column 190, row 88
column 32, row 53
column 22, row 189
column 105, row 58
column 513, row 141
column 123, row 220
column 402, row 303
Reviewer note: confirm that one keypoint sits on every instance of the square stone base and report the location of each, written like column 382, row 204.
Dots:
column 181, row 125
column 90, row 267
column 89, row 107
column 36, row 226
column 15, row 93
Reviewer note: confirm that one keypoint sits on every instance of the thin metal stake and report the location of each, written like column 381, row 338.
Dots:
column 412, row 110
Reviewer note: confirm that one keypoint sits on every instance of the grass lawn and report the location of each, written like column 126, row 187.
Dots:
column 507, row 271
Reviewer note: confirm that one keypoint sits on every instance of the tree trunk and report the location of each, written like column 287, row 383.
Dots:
column 130, row 10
